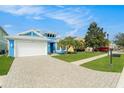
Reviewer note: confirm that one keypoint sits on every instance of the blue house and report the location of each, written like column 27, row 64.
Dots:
column 31, row 43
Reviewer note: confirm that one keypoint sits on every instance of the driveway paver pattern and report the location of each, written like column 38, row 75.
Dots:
column 48, row 72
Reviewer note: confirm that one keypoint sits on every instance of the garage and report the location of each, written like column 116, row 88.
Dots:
column 27, row 46
column 30, row 48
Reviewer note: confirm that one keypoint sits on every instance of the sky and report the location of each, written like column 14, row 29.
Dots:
column 65, row 20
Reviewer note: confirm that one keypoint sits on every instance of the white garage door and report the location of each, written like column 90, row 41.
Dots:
column 30, row 48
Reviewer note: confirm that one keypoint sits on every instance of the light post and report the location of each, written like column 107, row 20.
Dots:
column 108, row 43
column 110, row 59
column 109, row 52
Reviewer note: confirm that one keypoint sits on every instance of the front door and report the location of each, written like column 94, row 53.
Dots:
column 51, row 47
column 11, row 48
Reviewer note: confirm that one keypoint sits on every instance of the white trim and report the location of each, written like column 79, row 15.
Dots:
column 26, row 32
column 26, row 37
column 38, row 34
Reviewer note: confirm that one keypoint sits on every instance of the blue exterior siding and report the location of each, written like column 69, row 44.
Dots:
column 33, row 34
column 30, row 34
column 11, row 48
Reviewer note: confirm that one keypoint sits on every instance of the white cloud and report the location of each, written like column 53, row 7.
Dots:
column 72, row 32
column 22, row 10
column 7, row 26
column 38, row 18
column 75, row 17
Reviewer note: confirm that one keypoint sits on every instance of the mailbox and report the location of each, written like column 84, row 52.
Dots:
column 116, row 55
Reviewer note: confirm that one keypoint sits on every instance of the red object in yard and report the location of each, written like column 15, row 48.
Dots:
column 103, row 49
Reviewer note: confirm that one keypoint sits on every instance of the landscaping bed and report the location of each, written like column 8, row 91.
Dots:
column 77, row 56
column 5, row 64
column 102, row 64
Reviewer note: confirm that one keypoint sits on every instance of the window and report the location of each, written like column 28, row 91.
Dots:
column 48, row 35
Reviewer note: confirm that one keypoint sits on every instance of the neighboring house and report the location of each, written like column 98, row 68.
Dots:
column 113, row 46
column 3, row 42
column 32, row 43
column 80, row 39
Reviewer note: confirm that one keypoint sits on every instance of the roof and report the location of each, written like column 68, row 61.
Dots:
column 79, row 38
column 3, row 30
column 26, row 38
column 36, row 31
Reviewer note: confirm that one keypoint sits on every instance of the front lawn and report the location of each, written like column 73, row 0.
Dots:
column 77, row 56
column 5, row 64
column 102, row 64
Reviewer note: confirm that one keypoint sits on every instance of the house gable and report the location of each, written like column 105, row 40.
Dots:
column 31, row 33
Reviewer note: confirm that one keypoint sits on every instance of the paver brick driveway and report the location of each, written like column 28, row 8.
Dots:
column 44, row 71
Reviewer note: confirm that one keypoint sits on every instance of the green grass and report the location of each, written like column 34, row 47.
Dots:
column 102, row 64
column 77, row 56
column 5, row 64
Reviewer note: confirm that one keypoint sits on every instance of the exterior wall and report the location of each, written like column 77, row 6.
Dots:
column 30, row 48
column 3, row 42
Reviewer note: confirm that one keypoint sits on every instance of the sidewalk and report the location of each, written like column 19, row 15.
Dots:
column 121, row 80
column 1, row 80
column 88, row 59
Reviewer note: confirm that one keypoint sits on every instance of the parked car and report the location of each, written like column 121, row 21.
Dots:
column 60, row 51
column 102, row 49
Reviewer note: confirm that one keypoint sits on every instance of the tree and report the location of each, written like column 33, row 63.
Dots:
column 95, row 36
column 80, row 45
column 66, row 42
column 61, row 43
column 119, row 39
column 70, row 42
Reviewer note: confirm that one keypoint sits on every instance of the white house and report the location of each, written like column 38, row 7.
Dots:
column 32, row 43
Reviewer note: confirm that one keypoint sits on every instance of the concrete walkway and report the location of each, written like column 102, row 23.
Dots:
column 48, row 72
column 121, row 80
column 1, row 80
column 88, row 59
